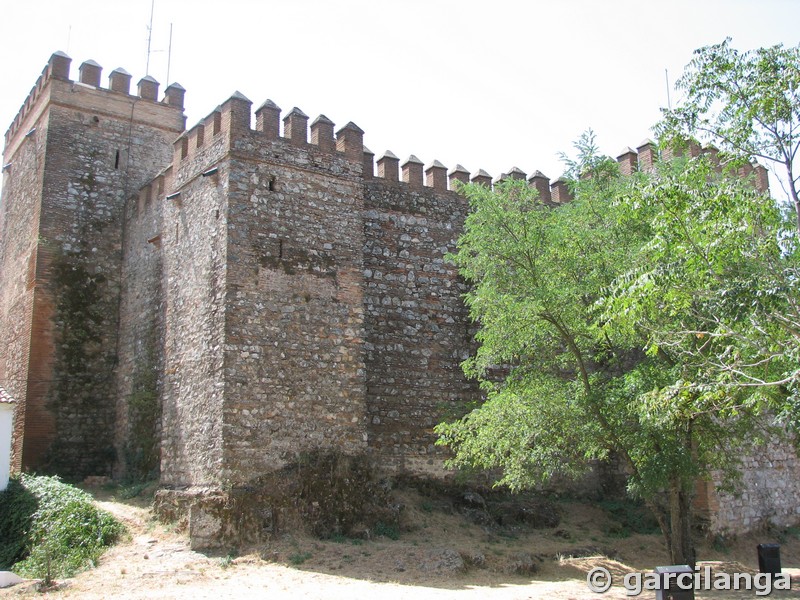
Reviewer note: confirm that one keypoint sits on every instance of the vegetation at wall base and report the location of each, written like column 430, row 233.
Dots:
column 49, row 529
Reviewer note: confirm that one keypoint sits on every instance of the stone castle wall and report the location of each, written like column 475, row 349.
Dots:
column 417, row 327
column 140, row 369
column 767, row 493
column 91, row 148
column 295, row 375
column 20, row 208
column 210, row 304
column 326, row 268
column 194, row 246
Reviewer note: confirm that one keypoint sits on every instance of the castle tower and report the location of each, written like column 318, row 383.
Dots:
column 72, row 156
column 260, row 242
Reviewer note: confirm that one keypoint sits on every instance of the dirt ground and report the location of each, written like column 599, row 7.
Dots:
column 439, row 554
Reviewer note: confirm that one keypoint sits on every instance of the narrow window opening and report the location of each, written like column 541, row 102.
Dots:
column 272, row 183
column 216, row 214
column 280, row 248
column 116, row 160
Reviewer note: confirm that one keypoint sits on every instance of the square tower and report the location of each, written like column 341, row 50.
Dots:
column 72, row 156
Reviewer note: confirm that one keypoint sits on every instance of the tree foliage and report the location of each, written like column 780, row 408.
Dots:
column 723, row 255
column 747, row 103
column 715, row 288
column 633, row 321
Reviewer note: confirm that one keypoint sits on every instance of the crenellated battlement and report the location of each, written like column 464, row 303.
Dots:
column 233, row 118
column 57, row 67
column 231, row 121
column 89, row 77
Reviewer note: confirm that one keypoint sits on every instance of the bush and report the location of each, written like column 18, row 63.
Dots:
column 387, row 530
column 51, row 529
column 630, row 517
column 18, row 506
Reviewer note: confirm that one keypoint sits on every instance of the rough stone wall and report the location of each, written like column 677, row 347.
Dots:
column 768, row 493
column 294, row 364
column 79, row 269
column 98, row 152
column 93, row 146
column 20, row 206
column 140, row 364
column 418, row 331
column 193, row 238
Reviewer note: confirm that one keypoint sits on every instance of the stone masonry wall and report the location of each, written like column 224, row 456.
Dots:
column 194, row 240
column 768, row 493
column 97, row 153
column 20, row 205
column 418, row 331
column 140, row 368
column 93, row 145
column 294, row 364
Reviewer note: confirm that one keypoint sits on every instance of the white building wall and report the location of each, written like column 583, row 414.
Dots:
column 6, row 429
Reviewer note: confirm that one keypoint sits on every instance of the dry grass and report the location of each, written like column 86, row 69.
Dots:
column 156, row 561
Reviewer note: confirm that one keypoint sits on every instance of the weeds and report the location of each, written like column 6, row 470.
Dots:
column 50, row 529
column 387, row 530
column 227, row 560
column 630, row 517
column 299, row 558
column 126, row 492
column 720, row 544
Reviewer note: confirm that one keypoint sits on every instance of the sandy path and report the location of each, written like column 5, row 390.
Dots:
column 157, row 562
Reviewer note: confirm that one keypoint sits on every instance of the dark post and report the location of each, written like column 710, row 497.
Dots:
column 769, row 558
column 669, row 586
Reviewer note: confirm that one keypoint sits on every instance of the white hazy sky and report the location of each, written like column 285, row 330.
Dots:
column 489, row 85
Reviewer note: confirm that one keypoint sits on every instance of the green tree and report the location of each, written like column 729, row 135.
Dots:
column 715, row 288
column 747, row 103
column 567, row 360
column 655, row 317
column 731, row 268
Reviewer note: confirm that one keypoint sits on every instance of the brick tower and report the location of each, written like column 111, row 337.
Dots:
column 72, row 156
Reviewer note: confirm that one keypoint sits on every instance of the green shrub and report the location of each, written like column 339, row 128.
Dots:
column 388, row 530
column 52, row 529
column 132, row 490
column 18, row 506
column 630, row 517
column 299, row 558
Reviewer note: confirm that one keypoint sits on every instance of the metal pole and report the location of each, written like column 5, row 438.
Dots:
column 149, row 37
column 666, row 76
column 169, row 53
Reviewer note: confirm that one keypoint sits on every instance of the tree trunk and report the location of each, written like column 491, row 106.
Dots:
column 681, row 547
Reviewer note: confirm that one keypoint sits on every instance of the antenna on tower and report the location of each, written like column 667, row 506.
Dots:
column 169, row 52
column 149, row 37
column 669, row 102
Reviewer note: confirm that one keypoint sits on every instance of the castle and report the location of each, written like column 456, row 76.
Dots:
column 209, row 303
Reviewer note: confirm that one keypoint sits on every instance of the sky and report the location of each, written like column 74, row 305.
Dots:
column 488, row 85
